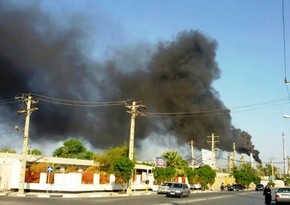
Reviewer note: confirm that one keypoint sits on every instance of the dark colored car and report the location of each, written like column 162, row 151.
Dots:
column 178, row 189
column 236, row 187
column 259, row 187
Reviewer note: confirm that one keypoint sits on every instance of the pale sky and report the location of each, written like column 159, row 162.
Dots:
column 250, row 51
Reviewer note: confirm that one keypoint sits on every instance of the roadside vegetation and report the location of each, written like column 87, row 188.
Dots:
column 115, row 161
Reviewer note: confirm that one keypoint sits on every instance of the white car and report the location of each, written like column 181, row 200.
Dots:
column 163, row 188
column 282, row 195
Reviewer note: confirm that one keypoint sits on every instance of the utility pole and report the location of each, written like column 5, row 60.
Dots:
column 192, row 153
column 272, row 167
column 213, row 148
column 284, row 155
column 134, row 113
column 234, row 154
column 288, row 170
column 251, row 157
column 28, row 100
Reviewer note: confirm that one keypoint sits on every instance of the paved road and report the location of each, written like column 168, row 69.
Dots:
column 216, row 198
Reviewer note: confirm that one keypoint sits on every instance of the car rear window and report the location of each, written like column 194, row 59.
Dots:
column 284, row 190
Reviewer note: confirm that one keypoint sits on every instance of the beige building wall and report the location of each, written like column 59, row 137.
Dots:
column 222, row 178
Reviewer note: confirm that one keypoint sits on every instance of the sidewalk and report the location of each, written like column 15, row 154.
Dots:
column 76, row 195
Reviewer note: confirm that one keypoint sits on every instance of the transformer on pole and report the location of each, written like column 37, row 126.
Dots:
column 29, row 109
column 134, row 113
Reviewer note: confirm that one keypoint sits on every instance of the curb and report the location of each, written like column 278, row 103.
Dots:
column 80, row 195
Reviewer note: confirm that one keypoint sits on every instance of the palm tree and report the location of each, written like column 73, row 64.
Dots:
column 175, row 160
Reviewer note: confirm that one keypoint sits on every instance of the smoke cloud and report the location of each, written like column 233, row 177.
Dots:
column 39, row 55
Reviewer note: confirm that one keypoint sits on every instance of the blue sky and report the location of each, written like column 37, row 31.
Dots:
column 250, row 51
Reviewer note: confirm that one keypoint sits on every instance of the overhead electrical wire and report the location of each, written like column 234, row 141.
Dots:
column 219, row 111
column 201, row 113
column 160, row 117
column 75, row 102
column 12, row 102
column 284, row 49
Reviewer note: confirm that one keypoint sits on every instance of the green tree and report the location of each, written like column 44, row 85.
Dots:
column 175, row 160
column 123, row 168
column 8, row 150
column 164, row 174
column 73, row 148
column 246, row 175
column 192, row 175
column 268, row 170
column 36, row 152
column 206, row 176
column 106, row 159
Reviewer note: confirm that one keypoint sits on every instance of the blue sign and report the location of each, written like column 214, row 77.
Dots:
column 49, row 169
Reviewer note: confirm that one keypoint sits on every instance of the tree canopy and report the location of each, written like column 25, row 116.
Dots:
column 123, row 168
column 8, row 150
column 206, row 176
column 73, row 148
column 245, row 174
column 175, row 160
column 106, row 159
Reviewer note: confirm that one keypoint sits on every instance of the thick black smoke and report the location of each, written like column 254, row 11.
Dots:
column 38, row 55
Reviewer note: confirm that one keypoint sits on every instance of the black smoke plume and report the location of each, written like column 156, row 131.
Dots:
column 39, row 55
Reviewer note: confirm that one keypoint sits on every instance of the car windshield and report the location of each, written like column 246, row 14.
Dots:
column 176, row 185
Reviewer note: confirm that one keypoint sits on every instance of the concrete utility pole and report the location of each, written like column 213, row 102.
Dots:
column 284, row 155
column 251, row 157
column 192, row 153
column 213, row 148
column 272, row 167
column 288, row 171
column 134, row 113
column 28, row 100
column 234, row 154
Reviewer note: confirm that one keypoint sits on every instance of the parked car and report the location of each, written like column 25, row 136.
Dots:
column 162, row 189
column 259, row 187
column 282, row 195
column 236, row 187
column 196, row 187
column 178, row 189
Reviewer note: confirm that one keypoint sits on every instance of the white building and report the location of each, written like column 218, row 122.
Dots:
column 10, row 165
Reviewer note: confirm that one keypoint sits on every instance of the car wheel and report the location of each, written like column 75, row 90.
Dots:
column 188, row 194
column 168, row 195
column 180, row 195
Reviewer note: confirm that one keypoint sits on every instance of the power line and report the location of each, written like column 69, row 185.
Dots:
column 9, row 102
column 77, row 103
column 218, row 111
column 284, row 39
column 284, row 50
